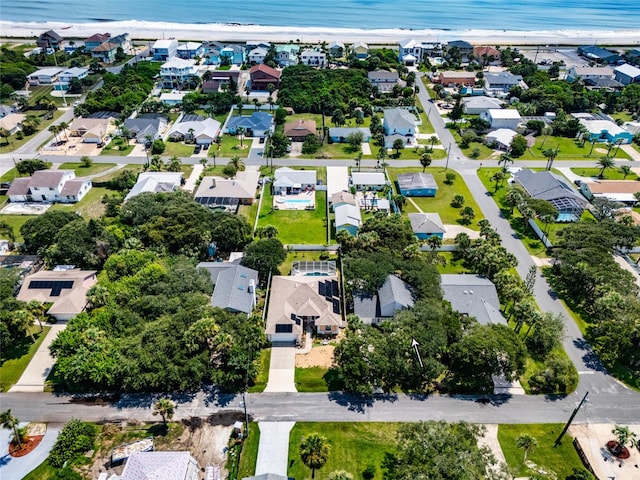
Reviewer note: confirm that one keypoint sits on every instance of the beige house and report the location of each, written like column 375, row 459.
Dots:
column 92, row 130
column 66, row 290
column 12, row 122
column 302, row 303
column 228, row 193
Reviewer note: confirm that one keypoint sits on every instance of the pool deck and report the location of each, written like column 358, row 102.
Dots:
column 301, row 201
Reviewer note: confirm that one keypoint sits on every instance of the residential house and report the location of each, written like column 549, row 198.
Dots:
column 336, row 49
column 622, row 191
column 586, row 72
column 417, row 184
column 201, row 132
column 555, row 189
column 258, row 124
column 300, row 302
column 179, row 73
column 106, row 52
column 146, row 127
column 253, row 44
column 220, row 193
column 411, row 52
column 603, row 130
column 479, row 104
column 172, row 98
column 64, row 78
column 235, row 286
column 232, row 55
column 464, row 47
column 298, row 130
column 44, row 76
column 287, row 55
column 342, row 198
column 598, row 54
column 212, row 53
column 603, row 83
column 313, row 58
column 452, row 78
column 627, row 74
column 123, row 41
column 486, row 55
column 399, row 121
column 502, row 118
column 262, row 76
column 500, row 138
column 96, row 40
column 218, row 78
column 257, row 55
column 190, row 50
column 65, row 290
column 360, row 50
column 155, row 182
column 160, row 466
column 92, row 130
column 348, row 218
column 337, row 180
column 288, row 181
column 12, row 123
column 472, row 296
column 427, row 225
column 49, row 186
column 49, row 39
column 163, row 50
column 501, row 82
column 341, row 134
column 383, row 80
column 367, row 181
column 393, row 296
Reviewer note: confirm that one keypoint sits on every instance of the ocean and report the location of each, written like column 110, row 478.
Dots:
column 519, row 15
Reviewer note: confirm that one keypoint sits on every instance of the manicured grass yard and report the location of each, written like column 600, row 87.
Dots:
column 16, row 358
column 558, row 462
column 570, row 149
column 609, row 173
column 263, row 377
column 82, row 171
column 177, row 149
column 10, row 175
column 311, row 379
column 452, row 266
column 441, row 203
column 354, row 446
column 117, row 146
column 230, row 147
column 426, row 126
column 285, row 267
column 89, row 207
column 16, row 221
column 249, row 454
column 296, row 226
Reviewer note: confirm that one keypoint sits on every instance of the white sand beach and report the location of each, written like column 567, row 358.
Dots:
column 139, row 30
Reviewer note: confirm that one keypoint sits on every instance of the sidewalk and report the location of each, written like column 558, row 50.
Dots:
column 190, row 184
column 36, row 373
column 632, row 152
column 273, row 449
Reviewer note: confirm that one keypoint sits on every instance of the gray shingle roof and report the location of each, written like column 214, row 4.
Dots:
column 410, row 181
column 394, row 290
column 287, row 176
column 345, row 132
column 232, row 285
column 428, row 223
column 399, row 118
column 546, row 186
column 473, row 295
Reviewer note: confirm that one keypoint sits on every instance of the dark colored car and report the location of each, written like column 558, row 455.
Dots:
column 197, row 149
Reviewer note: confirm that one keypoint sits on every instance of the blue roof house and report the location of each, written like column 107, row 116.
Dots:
column 426, row 225
column 258, row 124
column 417, row 184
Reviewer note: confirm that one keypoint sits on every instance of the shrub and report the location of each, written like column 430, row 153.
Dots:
column 449, row 178
column 557, row 376
column 75, row 438
column 458, row 201
column 369, row 473
column 157, row 147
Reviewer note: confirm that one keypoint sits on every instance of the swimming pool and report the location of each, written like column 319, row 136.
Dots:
column 296, row 203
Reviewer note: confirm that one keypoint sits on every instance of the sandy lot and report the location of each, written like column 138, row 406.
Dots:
column 321, row 356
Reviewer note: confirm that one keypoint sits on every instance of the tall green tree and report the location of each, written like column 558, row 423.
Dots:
column 165, row 408
column 10, row 422
column 314, row 452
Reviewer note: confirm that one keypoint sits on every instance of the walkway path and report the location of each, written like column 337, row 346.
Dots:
column 490, row 440
column 273, row 449
column 16, row 468
column 190, row 184
column 282, row 370
column 35, row 375
column 632, row 152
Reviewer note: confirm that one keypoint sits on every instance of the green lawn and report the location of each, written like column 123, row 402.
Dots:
column 570, row 149
column 135, row 168
column 485, row 152
column 261, row 380
column 16, row 221
column 249, row 454
column 557, row 462
column 426, row 126
column 89, row 207
column 14, row 143
column 353, row 446
column 178, row 149
column 296, row 226
column 339, row 151
column 10, row 175
column 118, row 147
column 609, row 174
column 15, row 359
column 82, row 171
column 452, row 266
column 441, row 203
column 311, row 379
column 44, row 471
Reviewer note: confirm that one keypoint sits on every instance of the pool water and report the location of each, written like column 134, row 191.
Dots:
column 296, row 202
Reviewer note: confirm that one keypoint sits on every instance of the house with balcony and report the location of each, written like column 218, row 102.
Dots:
column 499, row 83
column 96, row 40
column 453, row 78
column 287, row 55
column 105, row 52
column 190, row 50
column 261, row 76
column 179, row 73
column 233, row 55
column 314, row 58
column 336, row 49
column 383, row 80
column 257, row 55
column 360, row 50
column 465, row 48
column 44, row 76
column 49, row 39
column 412, row 52
column 65, row 77
column 163, row 50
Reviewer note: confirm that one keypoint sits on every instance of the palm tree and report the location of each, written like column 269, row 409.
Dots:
column 505, row 160
column 434, row 242
column 62, row 127
column 624, row 436
column 513, row 198
column 550, row 154
column 256, row 102
column 4, row 133
column 400, row 201
column 165, row 408
column 425, row 160
column 240, row 131
column 54, row 129
column 625, row 170
column 314, row 452
column 433, row 139
column 238, row 163
column 156, row 163
column 11, row 423
column 174, row 164
column 527, row 443
column 37, row 309
column 604, row 163
column 498, row 177
column 24, row 318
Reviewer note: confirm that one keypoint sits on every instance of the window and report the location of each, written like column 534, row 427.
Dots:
column 327, row 328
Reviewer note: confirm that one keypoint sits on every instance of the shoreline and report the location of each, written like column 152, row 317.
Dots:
column 144, row 30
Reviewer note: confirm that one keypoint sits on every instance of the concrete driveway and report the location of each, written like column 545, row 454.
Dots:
column 282, row 370
column 273, row 449
column 16, row 468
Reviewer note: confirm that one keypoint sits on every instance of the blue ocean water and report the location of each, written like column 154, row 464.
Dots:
column 524, row 15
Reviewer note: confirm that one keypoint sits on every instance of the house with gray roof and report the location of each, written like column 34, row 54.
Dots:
column 417, row 184
column 228, row 193
column 289, row 181
column 143, row 127
column 478, row 104
column 394, row 295
column 49, row 186
column 399, row 123
column 160, row 466
column 366, row 181
column 384, row 80
column 627, row 74
column 155, row 182
column 235, row 286
column 598, row 54
column 473, row 296
column 501, row 82
column 341, row 134
column 348, row 218
column 258, row 124
column 427, row 225
column 555, row 189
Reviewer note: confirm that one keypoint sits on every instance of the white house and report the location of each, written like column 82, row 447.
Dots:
column 49, row 186
column 190, row 50
column 477, row 105
column 155, row 182
column 201, row 132
column 257, row 55
column 502, row 118
column 178, row 73
column 586, row 72
column 313, row 58
column 501, row 138
column 626, row 74
column 12, row 122
column 44, row 76
column 411, row 51
column 163, row 50
column 368, row 180
column 73, row 73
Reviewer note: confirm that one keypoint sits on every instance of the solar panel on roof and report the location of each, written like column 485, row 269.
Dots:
column 336, row 306
column 56, row 286
column 321, row 289
column 334, row 288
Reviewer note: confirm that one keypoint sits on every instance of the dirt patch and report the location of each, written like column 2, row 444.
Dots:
column 601, row 150
column 321, row 356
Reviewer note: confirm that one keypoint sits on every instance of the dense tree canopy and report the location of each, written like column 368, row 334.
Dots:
column 40, row 232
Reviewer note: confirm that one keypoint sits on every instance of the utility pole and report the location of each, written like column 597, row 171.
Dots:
column 566, row 427
column 448, row 154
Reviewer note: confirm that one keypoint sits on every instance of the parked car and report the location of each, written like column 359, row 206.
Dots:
column 206, row 146
column 197, row 149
